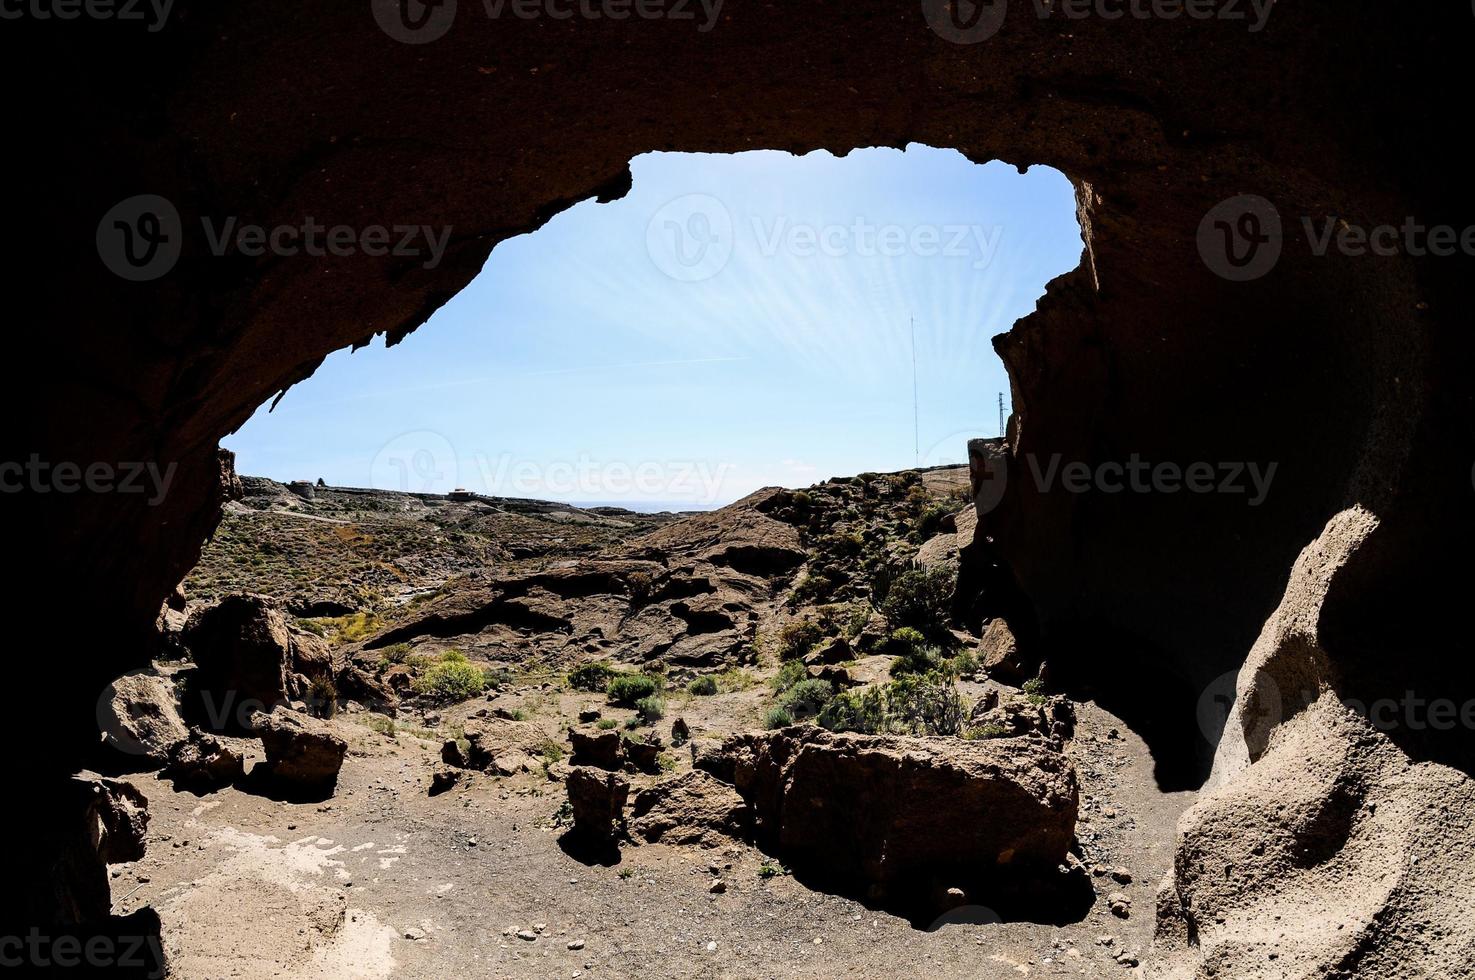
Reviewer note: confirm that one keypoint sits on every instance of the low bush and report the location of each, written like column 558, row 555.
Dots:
column 788, row 675
column 651, row 709
column 452, row 679
column 797, row 637
column 922, row 599
column 703, row 686
column 807, row 698
column 777, row 717
column 591, row 677
column 626, row 689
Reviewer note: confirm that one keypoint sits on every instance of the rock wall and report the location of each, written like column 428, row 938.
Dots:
column 1350, row 373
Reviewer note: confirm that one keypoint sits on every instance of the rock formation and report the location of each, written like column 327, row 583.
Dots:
column 1350, row 371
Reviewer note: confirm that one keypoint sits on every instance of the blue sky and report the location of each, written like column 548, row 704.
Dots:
column 735, row 321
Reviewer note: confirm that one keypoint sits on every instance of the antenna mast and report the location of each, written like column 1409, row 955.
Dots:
column 1001, row 415
column 916, row 438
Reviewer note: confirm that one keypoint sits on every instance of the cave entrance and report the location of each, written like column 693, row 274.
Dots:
column 565, row 470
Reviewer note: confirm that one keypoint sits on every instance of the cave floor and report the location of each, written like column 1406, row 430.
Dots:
column 383, row 881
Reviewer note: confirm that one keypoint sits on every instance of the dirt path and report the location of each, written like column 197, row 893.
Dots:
column 249, row 887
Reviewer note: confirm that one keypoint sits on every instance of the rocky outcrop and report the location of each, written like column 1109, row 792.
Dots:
column 1351, row 370
column 599, row 747
column 140, row 719
column 204, row 763
column 888, row 815
column 693, row 808
column 597, row 799
column 1000, row 657
column 248, row 658
column 302, row 753
column 503, row 746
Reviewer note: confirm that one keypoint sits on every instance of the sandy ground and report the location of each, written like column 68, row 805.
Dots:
column 383, row 881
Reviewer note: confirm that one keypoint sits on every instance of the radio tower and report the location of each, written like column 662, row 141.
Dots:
column 1001, row 415
column 916, row 438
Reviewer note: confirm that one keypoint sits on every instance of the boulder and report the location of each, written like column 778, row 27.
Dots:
column 884, row 813
column 204, row 763
column 595, row 747
column 680, row 732
column 693, row 808
column 1009, row 712
column 249, row 658
column 443, row 780
column 139, row 718
column 357, row 684
column 835, row 650
column 452, row 755
column 643, row 754
column 1000, row 657
column 501, row 745
column 301, row 752
column 598, row 799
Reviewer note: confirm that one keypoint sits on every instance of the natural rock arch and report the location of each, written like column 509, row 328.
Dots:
column 1351, row 373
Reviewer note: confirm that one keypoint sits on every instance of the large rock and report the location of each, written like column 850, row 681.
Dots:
column 884, row 813
column 302, row 753
column 204, row 763
column 139, row 718
column 503, row 746
column 598, row 799
column 357, row 684
column 249, row 658
column 1000, row 657
column 693, row 808
column 594, row 746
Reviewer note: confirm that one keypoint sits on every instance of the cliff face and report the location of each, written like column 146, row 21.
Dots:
column 1350, row 373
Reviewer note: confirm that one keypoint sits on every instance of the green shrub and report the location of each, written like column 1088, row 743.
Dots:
column 964, row 664
column 931, row 521
column 651, row 709
column 806, row 698
column 788, row 675
column 919, row 660
column 452, row 679
column 322, row 697
column 777, row 717
column 1034, row 690
column 927, row 704
column 811, row 588
column 605, row 724
column 703, row 686
column 626, row 689
column 905, row 640
column 797, row 637
column 922, row 599
column 591, row 677
column 852, row 712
